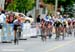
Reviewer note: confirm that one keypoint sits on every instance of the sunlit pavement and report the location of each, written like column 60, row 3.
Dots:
column 37, row 45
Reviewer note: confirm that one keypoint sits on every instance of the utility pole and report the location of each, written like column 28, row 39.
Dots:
column 56, row 5
column 36, row 9
column 37, row 4
column 2, row 2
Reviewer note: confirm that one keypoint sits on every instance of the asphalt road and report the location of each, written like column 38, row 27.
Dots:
column 37, row 45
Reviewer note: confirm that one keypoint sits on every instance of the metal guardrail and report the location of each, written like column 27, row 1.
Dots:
column 27, row 31
column 7, row 32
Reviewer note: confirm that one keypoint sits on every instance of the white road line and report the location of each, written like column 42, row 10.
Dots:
column 18, row 50
column 59, row 46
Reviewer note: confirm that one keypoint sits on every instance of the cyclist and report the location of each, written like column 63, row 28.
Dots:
column 73, row 23
column 49, row 29
column 43, row 30
column 57, row 25
column 69, row 27
column 17, row 29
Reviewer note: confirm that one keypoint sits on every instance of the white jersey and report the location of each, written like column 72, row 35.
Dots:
column 2, row 18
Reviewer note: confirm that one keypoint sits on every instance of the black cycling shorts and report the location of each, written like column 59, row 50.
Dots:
column 64, row 26
column 0, row 26
column 16, row 26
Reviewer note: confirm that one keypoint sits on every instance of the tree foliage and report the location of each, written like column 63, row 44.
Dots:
column 21, row 5
column 11, row 6
column 66, row 4
column 60, row 2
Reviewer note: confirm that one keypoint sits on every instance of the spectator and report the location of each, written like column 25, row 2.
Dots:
column 38, row 18
column 30, row 16
column 2, row 22
column 11, row 18
column 2, row 18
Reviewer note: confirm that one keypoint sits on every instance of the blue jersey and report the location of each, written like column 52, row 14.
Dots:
column 51, row 21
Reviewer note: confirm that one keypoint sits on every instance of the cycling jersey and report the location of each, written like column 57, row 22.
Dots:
column 57, row 24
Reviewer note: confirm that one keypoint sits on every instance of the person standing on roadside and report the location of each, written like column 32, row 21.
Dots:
column 38, row 19
column 2, row 22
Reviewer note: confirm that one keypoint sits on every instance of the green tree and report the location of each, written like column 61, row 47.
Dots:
column 25, row 5
column 66, row 4
column 49, row 1
column 60, row 2
column 21, row 5
column 11, row 6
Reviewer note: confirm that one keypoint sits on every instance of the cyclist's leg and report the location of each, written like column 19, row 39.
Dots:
column 15, row 37
column 57, row 34
column 74, row 32
column 45, row 34
column 63, row 35
column 19, row 34
column 50, row 33
column 42, row 34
